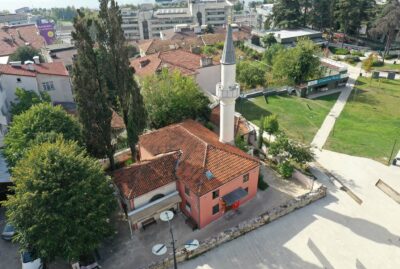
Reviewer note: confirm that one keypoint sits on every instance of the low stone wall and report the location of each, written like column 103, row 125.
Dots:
column 244, row 227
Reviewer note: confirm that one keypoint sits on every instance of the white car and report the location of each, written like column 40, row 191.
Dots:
column 29, row 262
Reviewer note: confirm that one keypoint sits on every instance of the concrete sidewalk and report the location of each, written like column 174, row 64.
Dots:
column 330, row 120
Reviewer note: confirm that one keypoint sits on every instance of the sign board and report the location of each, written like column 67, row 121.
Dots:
column 391, row 75
column 326, row 80
column 46, row 30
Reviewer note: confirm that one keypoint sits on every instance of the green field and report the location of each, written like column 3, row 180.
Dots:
column 388, row 67
column 370, row 121
column 300, row 118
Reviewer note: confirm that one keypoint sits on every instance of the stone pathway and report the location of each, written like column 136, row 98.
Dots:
column 330, row 120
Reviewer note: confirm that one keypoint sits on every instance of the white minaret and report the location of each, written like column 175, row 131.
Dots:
column 228, row 90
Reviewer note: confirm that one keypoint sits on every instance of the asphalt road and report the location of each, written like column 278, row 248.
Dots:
column 9, row 256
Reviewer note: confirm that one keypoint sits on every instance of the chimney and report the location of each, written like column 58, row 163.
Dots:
column 36, row 59
column 205, row 61
column 143, row 63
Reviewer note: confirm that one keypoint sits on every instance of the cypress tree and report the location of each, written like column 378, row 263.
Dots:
column 91, row 91
column 125, row 90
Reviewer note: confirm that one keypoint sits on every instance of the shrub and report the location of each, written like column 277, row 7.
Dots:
column 285, row 169
column 339, row 51
column 129, row 162
column 357, row 53
column 390, row 57
column 352, row 59
column 219, row 45
column 262, row 185
column 377, row 63
column 209, row 125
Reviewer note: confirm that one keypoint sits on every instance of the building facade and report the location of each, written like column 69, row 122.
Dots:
column 146, row 22
column 209, row 175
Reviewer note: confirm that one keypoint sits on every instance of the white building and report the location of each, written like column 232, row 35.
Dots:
column 13, row 19
column 146, row 23
column 228, row 90
column 52, row 78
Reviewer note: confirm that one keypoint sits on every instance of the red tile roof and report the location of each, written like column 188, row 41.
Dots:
column 158, row 45
column 145, row 66
column 12, row 37
column 117, row 122
column 201, row 152
column 148, row 175
column 56, row 69
column 241, row 124
column 184, row 61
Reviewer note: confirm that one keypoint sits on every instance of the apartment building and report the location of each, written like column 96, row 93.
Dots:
column 147, row 22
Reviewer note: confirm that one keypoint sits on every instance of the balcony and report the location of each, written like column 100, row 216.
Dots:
column 232, row 92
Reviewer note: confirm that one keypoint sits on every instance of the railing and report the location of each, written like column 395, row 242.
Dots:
column 232, row 91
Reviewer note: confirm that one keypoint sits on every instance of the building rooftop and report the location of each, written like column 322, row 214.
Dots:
column 56, row 69
column 13, row 37
column 184, row 61
column 201, row 152
column 147, row 175
column 292, row 33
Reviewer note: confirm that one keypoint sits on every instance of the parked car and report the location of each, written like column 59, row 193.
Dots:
column 8, row 232
column 29, row 261
column 88, row 262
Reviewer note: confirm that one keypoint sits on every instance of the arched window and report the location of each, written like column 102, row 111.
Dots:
column 156, row 197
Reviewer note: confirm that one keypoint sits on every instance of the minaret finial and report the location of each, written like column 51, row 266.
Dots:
column 228, row 54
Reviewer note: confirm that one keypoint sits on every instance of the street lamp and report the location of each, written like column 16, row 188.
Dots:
column 161, row 249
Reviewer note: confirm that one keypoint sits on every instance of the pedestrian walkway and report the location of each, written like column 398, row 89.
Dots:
column 330, row 120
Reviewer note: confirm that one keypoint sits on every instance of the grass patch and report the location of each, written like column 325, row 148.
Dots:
column 388, row 67
column 300, row 118
column 370, row 121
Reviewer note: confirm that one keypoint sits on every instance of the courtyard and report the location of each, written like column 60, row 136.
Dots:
column 300, row 118
column 370, row 122
column 122, row 252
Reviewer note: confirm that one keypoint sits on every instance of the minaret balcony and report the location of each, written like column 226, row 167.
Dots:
column 232, row 91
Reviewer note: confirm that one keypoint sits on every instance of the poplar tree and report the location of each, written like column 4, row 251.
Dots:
column 127, row 97
column 91, row 91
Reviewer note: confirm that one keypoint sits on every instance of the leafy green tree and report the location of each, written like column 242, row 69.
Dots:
column 91, row 91
column 238, row 6
column 287, row 14
column 285, row 169
column 271, row 124
column 25, row 53
column 387, row 24
column 26, row 99
column 271, row 52
column 250, row 74
column 36, row 121
column 320, row 16
column 173, row 97
column 240, row 143
column 255, row 40
column 305, row 7
column 298, row 64
column 209, row 50
column 368, row 63
column 120, row 75
column 269, row 40
column 62, row 202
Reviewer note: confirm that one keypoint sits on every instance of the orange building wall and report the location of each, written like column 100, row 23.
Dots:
column 207, row 202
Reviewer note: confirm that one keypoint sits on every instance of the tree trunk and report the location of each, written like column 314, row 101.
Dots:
column 110, row 156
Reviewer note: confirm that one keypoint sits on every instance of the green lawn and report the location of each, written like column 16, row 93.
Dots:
column 388, row 67
column 300, row 118
column 370, row 121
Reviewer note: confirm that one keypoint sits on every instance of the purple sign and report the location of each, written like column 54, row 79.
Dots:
column 47, row 30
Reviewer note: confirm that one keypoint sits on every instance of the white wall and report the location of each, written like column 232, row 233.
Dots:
column 62, row 85
column 10, row 83
column 208, row 77
column 145, row 198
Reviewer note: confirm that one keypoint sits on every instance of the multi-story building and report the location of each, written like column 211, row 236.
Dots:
column 146, row 22
column 13, row 19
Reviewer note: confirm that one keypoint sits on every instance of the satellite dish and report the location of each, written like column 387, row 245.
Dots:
column 166, row 215
column 192, row 245
column 159, row 249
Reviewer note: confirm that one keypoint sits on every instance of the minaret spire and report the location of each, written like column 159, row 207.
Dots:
column 227, row 90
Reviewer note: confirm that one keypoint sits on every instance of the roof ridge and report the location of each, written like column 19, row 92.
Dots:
column 204, row 142
column 245, row 155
